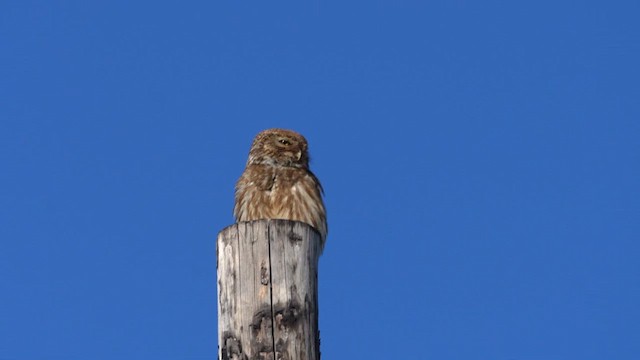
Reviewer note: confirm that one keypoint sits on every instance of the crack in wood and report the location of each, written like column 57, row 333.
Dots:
column 267, row 291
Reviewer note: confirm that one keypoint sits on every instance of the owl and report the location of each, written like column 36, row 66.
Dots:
column 277, row 182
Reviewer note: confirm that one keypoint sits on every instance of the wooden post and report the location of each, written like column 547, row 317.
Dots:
column 268, row 291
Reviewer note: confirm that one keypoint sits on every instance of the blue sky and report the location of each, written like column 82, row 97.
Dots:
column 481, row 163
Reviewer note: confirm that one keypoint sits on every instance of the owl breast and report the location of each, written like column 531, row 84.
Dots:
column 267, row 192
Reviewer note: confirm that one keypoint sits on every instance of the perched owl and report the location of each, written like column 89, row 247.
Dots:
column 277, row 182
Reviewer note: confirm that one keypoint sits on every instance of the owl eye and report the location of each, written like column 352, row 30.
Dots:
column 284, row 142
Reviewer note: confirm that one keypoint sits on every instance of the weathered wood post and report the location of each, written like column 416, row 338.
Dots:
column 268, row 291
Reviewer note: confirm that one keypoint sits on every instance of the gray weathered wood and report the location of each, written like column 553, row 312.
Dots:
column 267, row 291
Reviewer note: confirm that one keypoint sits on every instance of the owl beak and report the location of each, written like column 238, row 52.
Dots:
column 299, row 155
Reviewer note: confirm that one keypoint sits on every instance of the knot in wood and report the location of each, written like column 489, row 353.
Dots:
column 293, row 237
column 264, row 273
column 232, row 348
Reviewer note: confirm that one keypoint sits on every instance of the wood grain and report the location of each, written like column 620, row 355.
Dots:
column 267, row 291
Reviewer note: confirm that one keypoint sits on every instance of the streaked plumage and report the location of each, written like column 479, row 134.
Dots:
column 277, row 182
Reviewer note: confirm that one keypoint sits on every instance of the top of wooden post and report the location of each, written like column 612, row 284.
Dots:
column 297, row 230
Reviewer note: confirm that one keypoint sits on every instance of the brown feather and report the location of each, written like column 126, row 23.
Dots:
column 277, row 182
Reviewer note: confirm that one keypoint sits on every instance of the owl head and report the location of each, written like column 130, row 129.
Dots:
column 279, row 147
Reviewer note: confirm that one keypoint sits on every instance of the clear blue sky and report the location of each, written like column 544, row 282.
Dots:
column 481, row 163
